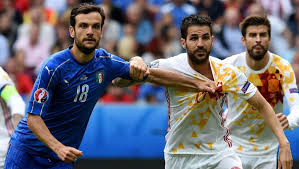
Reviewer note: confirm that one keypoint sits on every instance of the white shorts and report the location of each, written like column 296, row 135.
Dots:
column 223, row 160
column 262, row 162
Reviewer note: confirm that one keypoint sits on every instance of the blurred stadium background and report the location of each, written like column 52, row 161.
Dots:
column 128, row 126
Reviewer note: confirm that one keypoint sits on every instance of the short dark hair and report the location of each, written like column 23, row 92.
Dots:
column 255, row 20
column 85, row 8
column 192, row 20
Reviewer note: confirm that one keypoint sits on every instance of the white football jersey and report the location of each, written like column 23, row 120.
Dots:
column 6, row 126
column 196, row 119
column 250, row 135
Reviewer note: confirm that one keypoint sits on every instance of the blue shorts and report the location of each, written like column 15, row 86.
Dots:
column 18, row 159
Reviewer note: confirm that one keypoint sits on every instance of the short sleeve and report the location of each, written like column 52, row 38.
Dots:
column 42, row 91
column 236, row 83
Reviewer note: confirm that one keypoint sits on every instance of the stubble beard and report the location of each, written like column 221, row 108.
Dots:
column 257, row 57
column 195, row 60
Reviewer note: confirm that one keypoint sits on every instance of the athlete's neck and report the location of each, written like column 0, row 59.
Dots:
column 203, row 68
column 80, row 56
column 257, row 64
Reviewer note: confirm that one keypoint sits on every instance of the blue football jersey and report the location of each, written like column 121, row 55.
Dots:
column 64, row 95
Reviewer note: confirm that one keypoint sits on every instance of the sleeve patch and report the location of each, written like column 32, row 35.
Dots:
column 41, row 95
column 294, row 90
column 154, row 64
column 245, row 87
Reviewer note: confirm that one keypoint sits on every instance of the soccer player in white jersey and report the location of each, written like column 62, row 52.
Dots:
column 197, row 137
column 274, row 77
column 12, row 108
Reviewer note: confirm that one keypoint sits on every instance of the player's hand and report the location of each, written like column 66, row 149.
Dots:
column 138, row 69
column 283, row 120
column 68, row 154
column 206, row 86
column 285, row 160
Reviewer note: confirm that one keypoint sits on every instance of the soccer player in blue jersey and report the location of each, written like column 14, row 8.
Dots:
column 66, row 90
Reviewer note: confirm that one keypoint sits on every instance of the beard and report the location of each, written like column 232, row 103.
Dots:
column 196, row 60
column 257, row 56
column 83, row 48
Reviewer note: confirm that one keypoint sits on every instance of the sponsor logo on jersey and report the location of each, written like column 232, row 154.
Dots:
column 294, row 90
column 100, row 76
column 41, row 95
column 49, row 71
column 245, row 87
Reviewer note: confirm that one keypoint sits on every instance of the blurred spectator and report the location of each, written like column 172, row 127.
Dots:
column 22, row 5
column 127, row 46
column 50, row 16
column 8, row 28
column 59, row 6
column 22, row 80
column 278, row 8
column 47, row 31
column 116, row 95
column 112, row 31
column 228, row 39
column 280, row 34
column 178, row 9
column 241, row 5
column 144, row 29
column 212, row 8
column 115, row 12
column 166, row 43
column 293, row 21
column 151, row 93
column 5, row 52
column 35, row 50
column 14, row 15
column 63, row 39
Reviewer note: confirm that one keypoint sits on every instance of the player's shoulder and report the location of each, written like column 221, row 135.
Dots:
column 58, row 59
column 106, row 57
column 279, row 61
column 222, row 65
column 234, row 59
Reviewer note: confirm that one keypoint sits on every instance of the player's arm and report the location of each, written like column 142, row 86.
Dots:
column 285, row 157
column 14, row 102
column 291, row 93
column 41, row 96
column 37, row 125
column 169, row 79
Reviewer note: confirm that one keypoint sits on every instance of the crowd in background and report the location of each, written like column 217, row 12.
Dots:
column 32, row 30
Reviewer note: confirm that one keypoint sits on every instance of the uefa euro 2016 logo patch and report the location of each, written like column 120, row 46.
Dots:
column 41, row 95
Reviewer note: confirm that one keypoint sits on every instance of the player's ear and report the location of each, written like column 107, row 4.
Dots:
column 243, row 40
column 72, row 31
column 183, row 42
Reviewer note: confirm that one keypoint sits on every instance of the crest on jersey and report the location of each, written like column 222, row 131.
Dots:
column 100, row 76
column 41, row 95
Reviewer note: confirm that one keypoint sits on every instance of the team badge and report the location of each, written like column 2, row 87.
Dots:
column 41, row 95
column 100, row 76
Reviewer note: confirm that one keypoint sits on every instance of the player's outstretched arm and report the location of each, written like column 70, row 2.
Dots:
column 285, row 160
column 170, row 79
column 38, row 127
